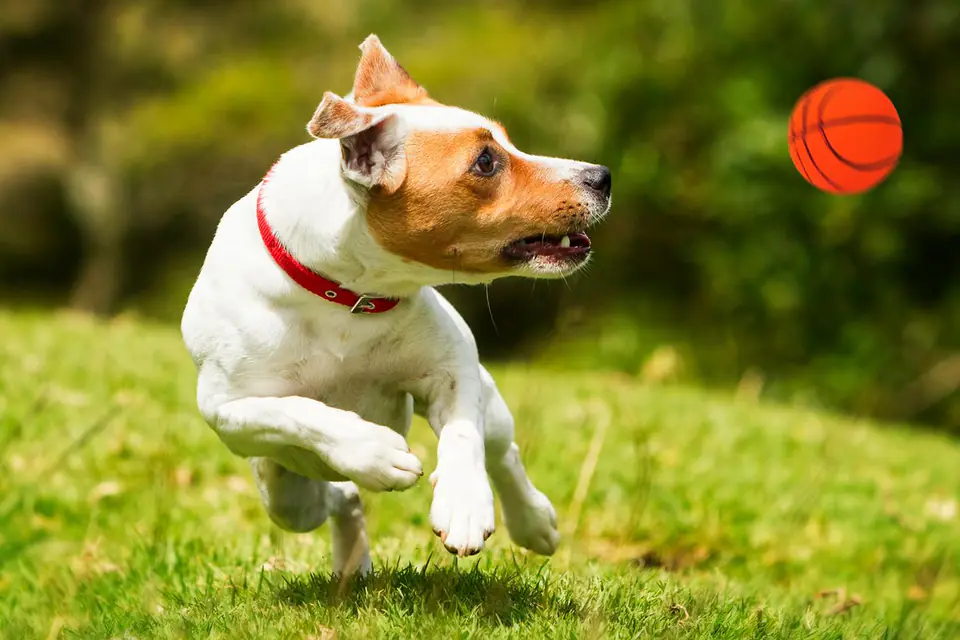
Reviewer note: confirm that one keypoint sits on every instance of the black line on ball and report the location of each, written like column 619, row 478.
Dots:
column 839, row 122
column 803, row 165
column 793, row 149
column 806, row 146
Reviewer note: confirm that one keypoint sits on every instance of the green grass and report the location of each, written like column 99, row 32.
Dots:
column 121, row 515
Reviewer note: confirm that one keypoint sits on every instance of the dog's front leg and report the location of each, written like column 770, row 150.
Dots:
column 462, row 510
column 313, row 439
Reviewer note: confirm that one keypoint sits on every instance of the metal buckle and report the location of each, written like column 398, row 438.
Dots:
column 363, row 304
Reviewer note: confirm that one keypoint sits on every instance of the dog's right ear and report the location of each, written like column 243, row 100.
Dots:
column 371, row 141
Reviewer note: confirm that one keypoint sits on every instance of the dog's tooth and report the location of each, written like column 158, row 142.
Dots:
column 565, row 241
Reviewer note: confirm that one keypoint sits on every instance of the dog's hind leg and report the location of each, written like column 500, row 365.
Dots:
column 528, row 514
column 300, row 504
column 293, row 502
column 351, row 547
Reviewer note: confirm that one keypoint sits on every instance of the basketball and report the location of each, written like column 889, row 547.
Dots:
column 845, row 136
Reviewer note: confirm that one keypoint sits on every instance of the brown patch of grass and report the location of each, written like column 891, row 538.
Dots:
column 644, row 556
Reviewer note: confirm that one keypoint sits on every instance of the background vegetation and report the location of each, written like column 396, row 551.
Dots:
column 127, row 128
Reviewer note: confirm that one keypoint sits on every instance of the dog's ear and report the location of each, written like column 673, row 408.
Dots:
column 371, row 141
column 381, row 80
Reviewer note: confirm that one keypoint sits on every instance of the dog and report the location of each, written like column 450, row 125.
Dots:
column 317, row 333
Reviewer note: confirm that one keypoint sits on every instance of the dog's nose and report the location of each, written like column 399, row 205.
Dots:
column 597, row 178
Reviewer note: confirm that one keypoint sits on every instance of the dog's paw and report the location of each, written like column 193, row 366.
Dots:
column 462, row 510
column 532, row 524
column 375, row 458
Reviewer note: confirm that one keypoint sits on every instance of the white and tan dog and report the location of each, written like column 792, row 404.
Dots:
column 316, row 331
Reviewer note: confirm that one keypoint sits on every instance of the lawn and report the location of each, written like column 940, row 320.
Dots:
column 685, row 514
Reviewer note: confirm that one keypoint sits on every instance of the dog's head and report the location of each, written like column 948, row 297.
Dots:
column 445, row 187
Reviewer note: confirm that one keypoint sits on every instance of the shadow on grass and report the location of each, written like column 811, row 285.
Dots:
column 498, row 595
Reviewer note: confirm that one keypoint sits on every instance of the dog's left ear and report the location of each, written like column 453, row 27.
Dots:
column 381, row 80
column 371, row 141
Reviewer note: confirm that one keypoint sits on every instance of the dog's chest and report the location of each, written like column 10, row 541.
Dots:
column 348, row 367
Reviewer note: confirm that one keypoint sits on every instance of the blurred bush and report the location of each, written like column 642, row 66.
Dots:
column 127, row 128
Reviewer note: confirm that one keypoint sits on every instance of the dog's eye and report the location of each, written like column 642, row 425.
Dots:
column 486, row 164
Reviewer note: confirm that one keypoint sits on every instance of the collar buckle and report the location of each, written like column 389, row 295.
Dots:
column 363, row 304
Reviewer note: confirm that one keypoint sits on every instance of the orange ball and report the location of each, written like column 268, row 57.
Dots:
column 845, row 136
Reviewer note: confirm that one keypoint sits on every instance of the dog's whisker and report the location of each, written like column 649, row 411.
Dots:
column 486, row 289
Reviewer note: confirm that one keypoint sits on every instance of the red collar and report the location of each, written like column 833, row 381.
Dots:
column 311, row 280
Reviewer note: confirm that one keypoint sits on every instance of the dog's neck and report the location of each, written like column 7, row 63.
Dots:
column 320, row 220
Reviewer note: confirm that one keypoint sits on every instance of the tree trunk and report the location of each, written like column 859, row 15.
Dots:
column 93, row 178
column 94, row 199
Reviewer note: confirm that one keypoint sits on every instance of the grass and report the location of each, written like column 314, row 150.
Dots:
column 121, row 515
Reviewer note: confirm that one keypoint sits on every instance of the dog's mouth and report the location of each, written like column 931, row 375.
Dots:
column 570, row 247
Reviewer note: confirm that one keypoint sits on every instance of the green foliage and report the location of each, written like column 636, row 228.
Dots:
column 122, row 513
